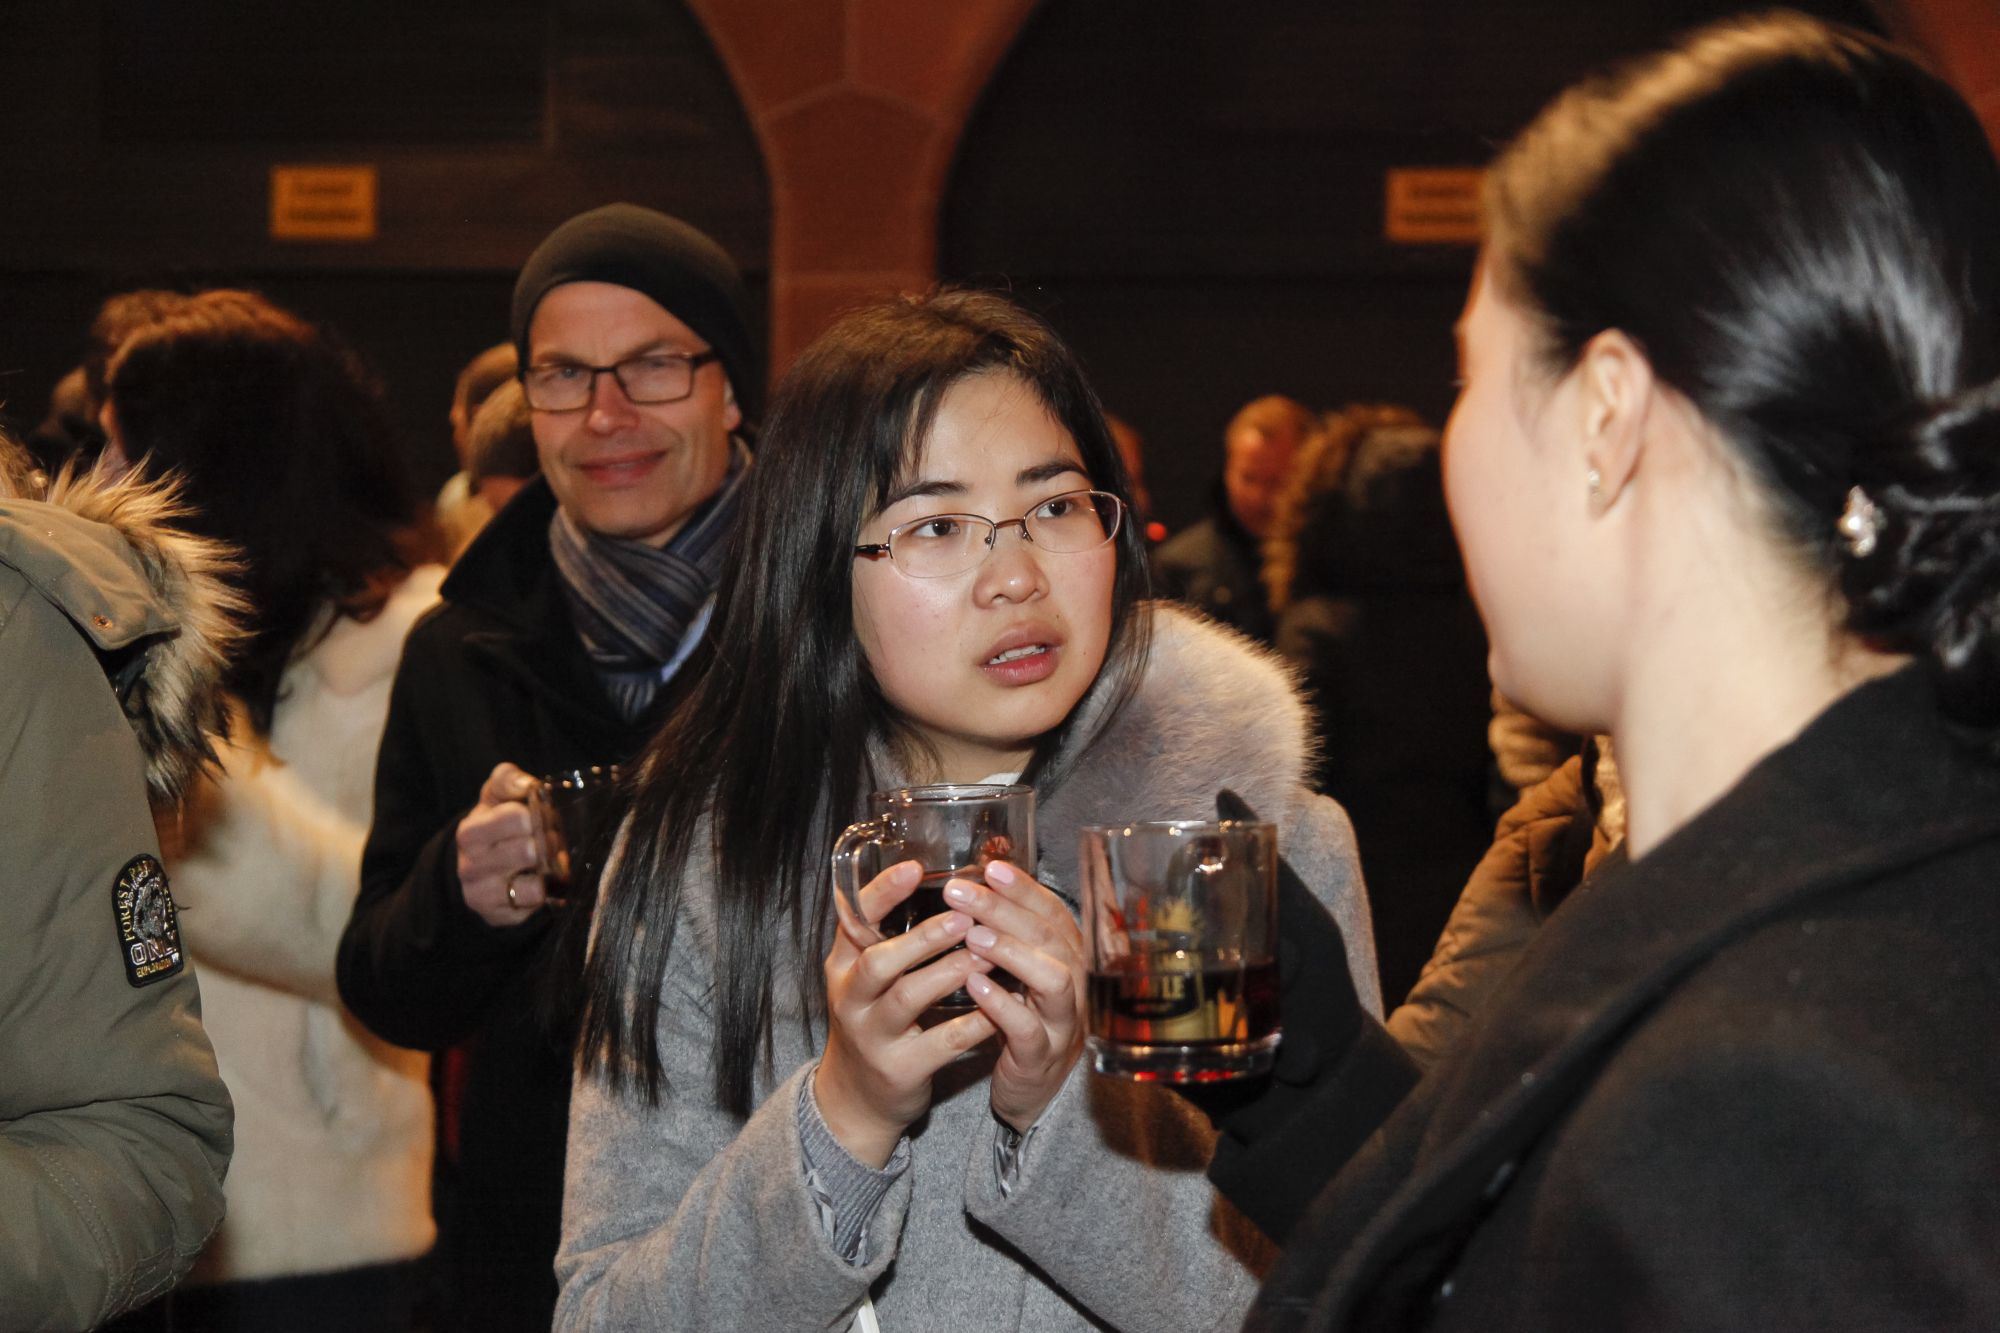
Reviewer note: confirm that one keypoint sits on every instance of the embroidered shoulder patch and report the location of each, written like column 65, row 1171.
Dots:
column 149, row 930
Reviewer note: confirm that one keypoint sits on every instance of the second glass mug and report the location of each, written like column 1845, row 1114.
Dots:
column 575, row 814
column 952, row 830
column 1180, row 918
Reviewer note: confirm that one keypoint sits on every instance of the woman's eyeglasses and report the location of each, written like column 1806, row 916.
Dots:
column 945, row 544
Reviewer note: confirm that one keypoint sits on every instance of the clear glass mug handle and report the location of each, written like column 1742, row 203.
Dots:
column 852, row 867
column 551, row 837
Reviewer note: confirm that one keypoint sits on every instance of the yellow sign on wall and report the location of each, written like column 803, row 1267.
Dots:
column 1433, row 205
column 322, row 203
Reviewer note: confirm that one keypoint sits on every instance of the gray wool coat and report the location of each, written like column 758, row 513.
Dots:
column 681, row 1217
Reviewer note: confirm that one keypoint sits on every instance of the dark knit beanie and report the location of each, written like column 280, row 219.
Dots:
column 658, row 256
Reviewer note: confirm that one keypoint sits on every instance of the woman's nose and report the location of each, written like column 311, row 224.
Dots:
column 1012, row 570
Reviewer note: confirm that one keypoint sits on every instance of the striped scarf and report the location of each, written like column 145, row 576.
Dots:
column 633, row 603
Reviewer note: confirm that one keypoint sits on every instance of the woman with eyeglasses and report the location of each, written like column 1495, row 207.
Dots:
column 934, row 580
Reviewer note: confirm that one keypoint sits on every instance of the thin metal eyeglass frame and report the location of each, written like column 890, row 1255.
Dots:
column 881, row 550
column 695, row 361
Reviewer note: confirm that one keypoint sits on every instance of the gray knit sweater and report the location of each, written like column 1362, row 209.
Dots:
column 681, row 1217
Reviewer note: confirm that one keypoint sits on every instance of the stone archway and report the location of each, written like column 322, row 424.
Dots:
column 859, row 105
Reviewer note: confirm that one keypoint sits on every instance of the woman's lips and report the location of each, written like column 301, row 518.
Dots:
column 1023, row 664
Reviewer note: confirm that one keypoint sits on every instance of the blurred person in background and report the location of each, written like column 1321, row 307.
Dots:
column 117, row 319
column 1216, row 565
column 458, row 512
column 69, row 431
column 1371, row 604
column 285, row 452
column 1560, row 831
column 500, row 451
column 1132, row 452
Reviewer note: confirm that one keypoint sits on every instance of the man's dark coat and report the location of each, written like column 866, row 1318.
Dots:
column 494, row 673
column 1216, row 566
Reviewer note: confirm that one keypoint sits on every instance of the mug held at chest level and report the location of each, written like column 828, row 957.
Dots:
column 575, row 814
column 953, row 831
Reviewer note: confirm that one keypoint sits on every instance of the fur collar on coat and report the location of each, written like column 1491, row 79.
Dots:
column 1207, row 694
column 148, row 594
column 1211, row 709
column 1210, row 701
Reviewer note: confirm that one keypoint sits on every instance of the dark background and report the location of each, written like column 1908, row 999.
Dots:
column 1194, row 192
column 1190, row 189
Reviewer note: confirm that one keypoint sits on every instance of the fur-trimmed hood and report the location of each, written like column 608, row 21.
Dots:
column 1211, row 708
column 148, row 595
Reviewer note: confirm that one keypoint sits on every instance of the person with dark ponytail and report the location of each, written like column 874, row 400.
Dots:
column 763, row 1132
column 1725, row 471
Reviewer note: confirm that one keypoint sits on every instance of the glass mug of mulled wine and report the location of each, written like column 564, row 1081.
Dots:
column 575, row 813
column 1180, row 922
column 953, row 830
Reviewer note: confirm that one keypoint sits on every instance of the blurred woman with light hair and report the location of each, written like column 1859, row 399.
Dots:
column 281, row 441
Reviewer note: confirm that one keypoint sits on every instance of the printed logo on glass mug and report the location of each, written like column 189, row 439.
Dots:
column 1180, row 918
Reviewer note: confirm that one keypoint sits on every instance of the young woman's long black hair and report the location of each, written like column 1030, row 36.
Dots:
column 286, row 452
column 769, row 756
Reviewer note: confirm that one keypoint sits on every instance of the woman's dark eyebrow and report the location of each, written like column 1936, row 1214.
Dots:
column 1049, row 471
column 1028, row 476
column 910, row 490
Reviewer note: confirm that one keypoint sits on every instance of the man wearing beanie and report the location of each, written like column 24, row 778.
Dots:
column 567, row 631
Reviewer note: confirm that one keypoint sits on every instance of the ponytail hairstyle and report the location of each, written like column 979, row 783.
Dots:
column 1799, row 225
column 769, row 756
column 285, row 450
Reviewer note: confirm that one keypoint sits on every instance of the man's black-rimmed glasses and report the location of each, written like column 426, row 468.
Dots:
column 656, row 377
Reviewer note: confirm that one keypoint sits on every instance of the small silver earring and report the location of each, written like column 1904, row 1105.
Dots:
column 1593, row 480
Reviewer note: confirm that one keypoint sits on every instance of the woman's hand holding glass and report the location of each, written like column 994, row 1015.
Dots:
column 874, row 1077
column 1026, row 930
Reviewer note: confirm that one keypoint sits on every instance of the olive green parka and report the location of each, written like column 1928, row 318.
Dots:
column 114, row 1124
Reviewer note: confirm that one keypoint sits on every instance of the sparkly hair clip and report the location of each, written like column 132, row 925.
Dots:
column 1860, row 524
